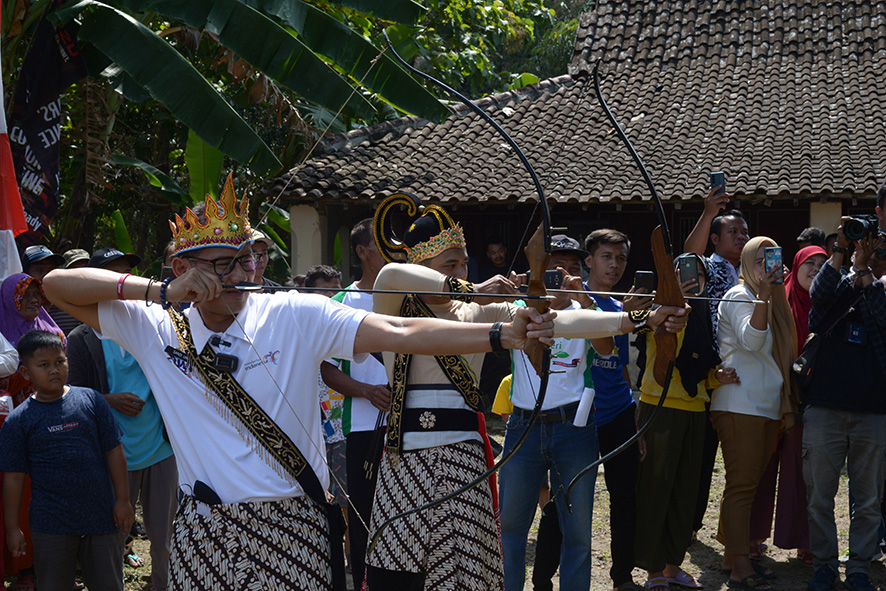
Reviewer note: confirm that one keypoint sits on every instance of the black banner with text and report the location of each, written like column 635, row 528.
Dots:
column 53, row 63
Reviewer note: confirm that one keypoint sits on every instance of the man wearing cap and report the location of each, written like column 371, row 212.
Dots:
column 559, row 442
column 75, row 258
column 37, row 261
column 260, row 247
column 228, row 375
column 105, row 366
column 433, row 445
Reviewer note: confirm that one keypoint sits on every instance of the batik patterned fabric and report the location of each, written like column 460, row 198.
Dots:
column 456, row 544
column 723, row 277
column 261, row 545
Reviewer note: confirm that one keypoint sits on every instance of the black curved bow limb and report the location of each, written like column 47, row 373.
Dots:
column 668, row 293
column 538, row 251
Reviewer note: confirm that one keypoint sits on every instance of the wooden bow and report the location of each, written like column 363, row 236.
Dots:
column 668, row 293
column 538, row 252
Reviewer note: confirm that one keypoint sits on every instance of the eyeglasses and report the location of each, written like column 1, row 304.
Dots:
column 224, row 265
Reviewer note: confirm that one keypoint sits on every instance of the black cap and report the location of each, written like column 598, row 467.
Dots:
column 563, row 243
column 103, row 256
column 39, row 252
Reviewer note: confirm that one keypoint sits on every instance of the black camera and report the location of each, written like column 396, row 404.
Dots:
column 860, row 226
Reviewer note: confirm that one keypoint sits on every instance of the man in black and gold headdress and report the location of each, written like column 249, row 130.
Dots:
column 435, row 432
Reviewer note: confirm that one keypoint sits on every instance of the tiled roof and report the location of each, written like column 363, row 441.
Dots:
column 786, row 97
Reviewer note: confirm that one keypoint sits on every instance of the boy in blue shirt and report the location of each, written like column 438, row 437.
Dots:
column 67, row 441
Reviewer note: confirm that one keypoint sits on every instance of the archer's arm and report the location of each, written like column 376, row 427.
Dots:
column 594, row 324
column 404, row 277
column 435, row 336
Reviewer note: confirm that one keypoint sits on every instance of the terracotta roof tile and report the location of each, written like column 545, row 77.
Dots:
column 784, row 96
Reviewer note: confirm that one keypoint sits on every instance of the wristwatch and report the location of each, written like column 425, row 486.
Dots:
column 495, row 340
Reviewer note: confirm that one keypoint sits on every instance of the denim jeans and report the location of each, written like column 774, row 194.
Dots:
column 564, row 450
column 830, row 438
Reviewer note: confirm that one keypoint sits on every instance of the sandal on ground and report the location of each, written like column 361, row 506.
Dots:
column 657, row 584
column 133, row 560
column 758, row 568
column 684, row 579
column 24, row 583
column 806, row 557
column 750, row 582
column 756, row 551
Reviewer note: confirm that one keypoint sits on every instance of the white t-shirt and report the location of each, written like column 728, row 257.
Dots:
column 567, row 355
column 289, row 335
column 358, row 413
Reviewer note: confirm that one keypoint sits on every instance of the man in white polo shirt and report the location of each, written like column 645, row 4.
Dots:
column 367, row 400
column 557, row 442
column 229, row 376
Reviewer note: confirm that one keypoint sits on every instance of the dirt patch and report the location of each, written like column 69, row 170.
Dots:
column 704, row 556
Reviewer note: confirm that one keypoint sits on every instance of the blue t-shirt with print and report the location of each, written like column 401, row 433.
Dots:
column 143, row 439
column 613, row 392
column 62, row 445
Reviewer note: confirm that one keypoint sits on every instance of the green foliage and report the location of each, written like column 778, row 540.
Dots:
column 177, row 85
column 204, row 167
column 475, row 45
column 464, row 41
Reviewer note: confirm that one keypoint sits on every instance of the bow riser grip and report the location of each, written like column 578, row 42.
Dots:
column 539, row 258
column 668, row 293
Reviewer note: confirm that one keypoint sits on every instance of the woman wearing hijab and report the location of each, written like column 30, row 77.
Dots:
column 757, row 337
column 668, row 478
column 21, row 310
column 791, row 521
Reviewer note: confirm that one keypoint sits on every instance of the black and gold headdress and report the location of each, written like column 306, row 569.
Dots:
column 428, row 235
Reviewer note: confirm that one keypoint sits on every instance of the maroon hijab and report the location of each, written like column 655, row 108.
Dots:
column 798, row 297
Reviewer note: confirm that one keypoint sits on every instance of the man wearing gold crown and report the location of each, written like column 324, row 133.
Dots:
column 435, row 432
column 229, row 376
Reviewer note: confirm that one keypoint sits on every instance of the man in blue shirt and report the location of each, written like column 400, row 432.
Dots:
column 615, row 411
column 105, row 366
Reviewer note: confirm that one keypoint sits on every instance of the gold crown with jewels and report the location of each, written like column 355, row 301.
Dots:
column 227, row 223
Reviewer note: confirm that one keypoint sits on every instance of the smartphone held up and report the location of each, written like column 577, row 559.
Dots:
column 772, row 259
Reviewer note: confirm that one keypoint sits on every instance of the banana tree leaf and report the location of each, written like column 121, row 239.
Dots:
column 353, row 53
column 171, row 80
column 98, row 64
column 204, row 167
column 397, row 11
column 267, row 46
column 168, row 187
column 275, row 214
column 121, row 234
column 268, row 231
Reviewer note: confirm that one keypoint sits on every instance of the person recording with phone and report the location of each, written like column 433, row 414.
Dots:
column 845, row 421
column 669, row 476
column 728, row 232
column 757, row 337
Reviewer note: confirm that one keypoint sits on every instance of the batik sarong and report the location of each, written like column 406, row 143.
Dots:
column 261, row 545
column 455, row 544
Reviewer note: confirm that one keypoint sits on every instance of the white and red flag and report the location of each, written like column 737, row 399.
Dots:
column 12, row 214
